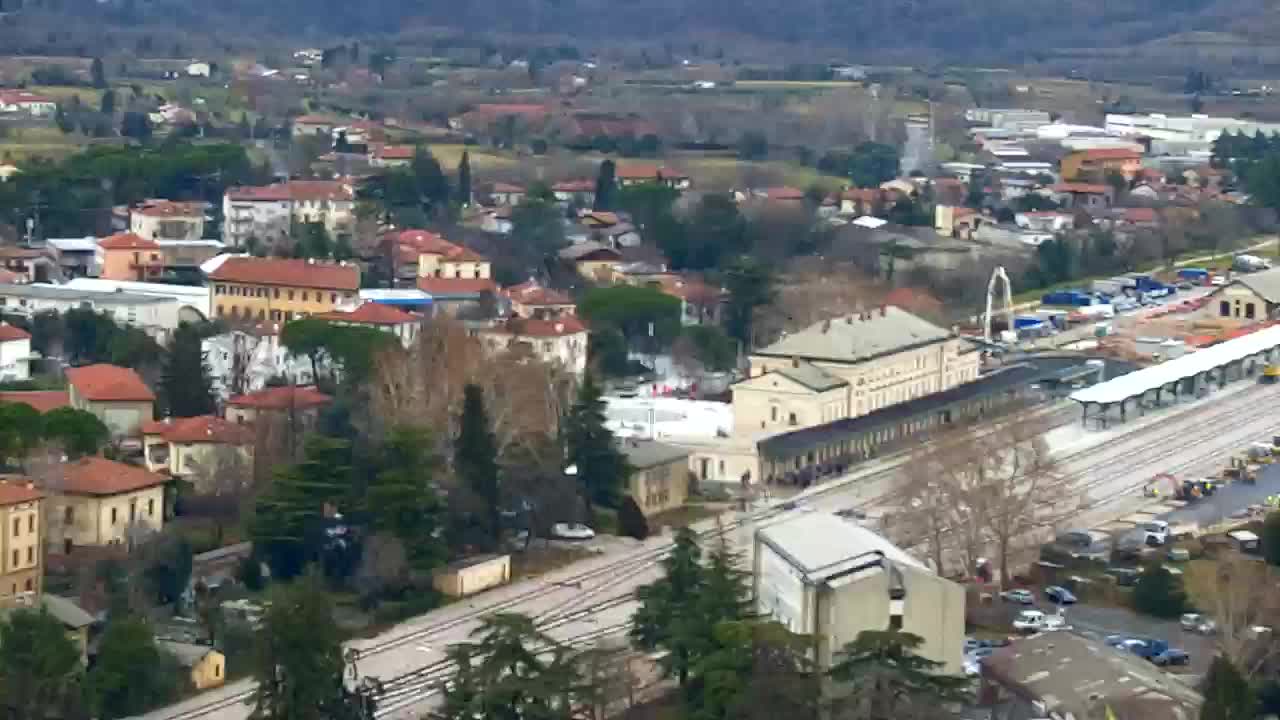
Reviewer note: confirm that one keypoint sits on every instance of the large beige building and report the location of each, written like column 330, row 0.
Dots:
column 95, row 501
column 848, row 367
column 830, row 578
column 21, row 534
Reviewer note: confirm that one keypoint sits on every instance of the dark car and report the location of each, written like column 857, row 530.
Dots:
column 1059, row 594
column 1171, row 656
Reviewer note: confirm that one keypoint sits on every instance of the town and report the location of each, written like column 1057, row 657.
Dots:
column 416, row 379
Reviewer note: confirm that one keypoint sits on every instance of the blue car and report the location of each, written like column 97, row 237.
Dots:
column 1060, row 595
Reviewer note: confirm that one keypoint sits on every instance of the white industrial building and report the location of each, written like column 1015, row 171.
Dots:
column 193, row 300
column 829, row 578
column 156, row 316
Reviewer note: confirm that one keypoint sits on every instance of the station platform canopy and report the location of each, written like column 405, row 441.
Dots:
column 1167, row 373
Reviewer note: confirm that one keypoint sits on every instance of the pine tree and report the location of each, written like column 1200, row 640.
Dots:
column 1227, row 693
column 464, row 179
column 39, row 666
column 185, row 383
column 289, row 516
column 475, row 460
column 402, row 499
column 670, row 615
column 727, row 597
column 884, row 679
column 602, row 468
column 98, row 73
column 108, row 106
column 606, row 184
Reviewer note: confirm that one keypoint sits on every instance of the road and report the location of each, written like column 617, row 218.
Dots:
column 1106, row 469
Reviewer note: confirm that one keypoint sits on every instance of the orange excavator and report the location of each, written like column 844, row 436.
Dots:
column 1185, row 490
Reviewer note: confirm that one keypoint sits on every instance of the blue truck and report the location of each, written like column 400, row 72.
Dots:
column 1073, row 298
column 1195, row 275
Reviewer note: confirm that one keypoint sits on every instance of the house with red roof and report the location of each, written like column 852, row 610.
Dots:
column 390, row 156
column 22, row 550
column 532, row 299
column 267, row 212
column 629, row 174
column 117, row 395
column 300, row 404
column 437, row 259
column 314, row 124
column 486, row 119
column 582, row 191
column 558, row 341
column 501, row 194
column 193, row 448
column 167, row 220
column 23, row 101
column 15, row 353
column 278, row 290
column 378, row 316
column 1097, row 163
column 42, row 401
column 1084, row 196
column 128, row 256
column 98, row 502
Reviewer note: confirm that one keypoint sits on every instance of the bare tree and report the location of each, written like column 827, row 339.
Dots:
column 1243, row 597
column 610, row 678
column 223, row 480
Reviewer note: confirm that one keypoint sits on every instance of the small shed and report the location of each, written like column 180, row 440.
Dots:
column 207, row 667
column 471, row 575
column 1244, row 540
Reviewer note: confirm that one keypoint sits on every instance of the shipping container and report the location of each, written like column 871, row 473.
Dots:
column 1193, row 274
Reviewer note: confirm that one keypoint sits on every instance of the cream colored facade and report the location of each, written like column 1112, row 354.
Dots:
column 472, row 575
column 21, row 561
column 439, row 266
column 123, row 418
column 774, row 402
column 1237, row 304
column 78, row 520
column 181, row 459
column 660, row 475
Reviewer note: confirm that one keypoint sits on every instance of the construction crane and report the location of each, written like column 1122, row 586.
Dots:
column 998, row 275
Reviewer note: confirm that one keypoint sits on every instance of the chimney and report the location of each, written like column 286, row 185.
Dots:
column 884, row 311
column 826, row 326
column 795, row 362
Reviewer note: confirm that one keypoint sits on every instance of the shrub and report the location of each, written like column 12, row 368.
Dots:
column 632, row 522
column 1159, row 593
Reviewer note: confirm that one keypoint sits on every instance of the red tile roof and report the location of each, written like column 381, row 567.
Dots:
column 1140, row 215
column 312, row 190
column 316, row 120
column 168, row 208
column 395, row 152
column 532, row 327
column 690, row 289
column 496, row 110
column 108, row 383
column 288, row 273
column 40, row 400
column 867, row 195
column 647, row 171
column 10, row 332
column 531, row 293
column 100, row 476
column 575, row 186
column 371, row 313
column 282, row 398
column 200, row 429
column 127, row 241
column 1085, row 188
column 264, row 193
column 784, row 193
column 416, row 242
column 17, row 490
column 22, row 97
column 501, row 187
column 455, row 286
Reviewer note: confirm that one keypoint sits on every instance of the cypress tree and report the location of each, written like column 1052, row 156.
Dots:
column 464, row 179
column 602, row 469
column 475, row 460
column 185, row 384
column 606, row 184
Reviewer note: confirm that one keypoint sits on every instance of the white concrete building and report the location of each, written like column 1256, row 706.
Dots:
column 156, row 316
column 242, row 361
column 559, row 341
column 15, row 353
column 167, row 220
column 193, row 300
column 267, row 213
column 830, row 578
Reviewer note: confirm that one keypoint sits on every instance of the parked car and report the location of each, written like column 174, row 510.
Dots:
column 1171, row 656
column 1059, row 594
column 1197, row 623
column 1052, row 623
column 1022, row 597
column 1179, row 554
column 1125, row 577
column 572, row 531
column 1115, row 641
column 1028, row 621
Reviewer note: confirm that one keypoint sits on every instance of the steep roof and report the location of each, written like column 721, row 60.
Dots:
column 18, row 490
column 107, row 383
column 200, row 429
column 1265, row 284
column 40, row 400
column 858, row 337
column 11, row 332
column 371, row 313
column 127, row 241
column 575, row 186
column 169, row 208
column 282, row 398
column 99, row 476
column 823, row 547
column 321, row 190
column 288, row 272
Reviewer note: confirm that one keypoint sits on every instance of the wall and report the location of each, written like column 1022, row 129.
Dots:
column 91, row 520
column 275, row 304
column 21, row 540
column 661, row 487
column 186, row 458
column 1242, row 305
column 138, row 265
column 166, row 228
column 13, row 359
column 263, row 357
column 123, row 419
column 432, row 265
column 722, row 460
column 210, row 672
column 267, row 220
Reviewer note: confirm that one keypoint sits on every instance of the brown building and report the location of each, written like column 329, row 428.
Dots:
column 1096, row 164
column 21, row 542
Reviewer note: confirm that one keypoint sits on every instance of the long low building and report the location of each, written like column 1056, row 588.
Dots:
column 193, row 300
column 156, row 316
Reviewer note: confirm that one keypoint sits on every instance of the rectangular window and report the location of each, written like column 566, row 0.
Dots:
column 290, row 294
column 305, row 296
column 17, row 527
column 1224, row 309
column 276, row 293
column 333, row 298
column 151, row 507
column 31, row 555
column 69, row 515
column 1248, row 311
column 16, row 562
column 31, row 523
column 113, row 516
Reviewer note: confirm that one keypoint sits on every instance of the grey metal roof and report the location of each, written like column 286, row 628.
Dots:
column 67, row 612
column 648, row 453
column 811, row 376
column 822, row 546
column 51, row 292
column 1072, row 675
column 859, row 337
column 1266, row 284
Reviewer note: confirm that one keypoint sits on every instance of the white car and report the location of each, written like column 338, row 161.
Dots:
column 572, row 531
column 1197, row 623
column 1052, row 623
column 1029, row 621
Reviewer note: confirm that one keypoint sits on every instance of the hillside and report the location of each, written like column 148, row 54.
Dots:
column 864, row 29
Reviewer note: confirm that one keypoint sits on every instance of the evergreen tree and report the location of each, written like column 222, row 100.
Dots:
column 1159, row 593
column 300, row 668
column 602, row 468
column 1271, row 538
column 631, row 521
column 606, row 184
column 755, row 671
column 402, row 498
column 131, row 674
column 671, row 614
column 1227, row 693
column 108, row 106
column 727, row 594
column 244, row 129
column 475, row 460
column 98, row 74
column 464, row 179
column 39, row 667
column 751, row 285
column 79, row 432
column 186, row 384
column 288, row 520
column 432, row 184
column 884, row 679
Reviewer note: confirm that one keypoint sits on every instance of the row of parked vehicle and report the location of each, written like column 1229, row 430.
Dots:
column 1157, row 652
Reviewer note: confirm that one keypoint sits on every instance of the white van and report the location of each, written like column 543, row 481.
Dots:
column 1155, row 532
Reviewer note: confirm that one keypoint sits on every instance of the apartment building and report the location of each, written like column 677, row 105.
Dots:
column 278, row 290
column 302, row 403
column 377, row 316
column 167, row 220
column 559, row 341
column 128, row 256
column 848, row 367
column 21, row 542
column 267, row 213
column 95, row 501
